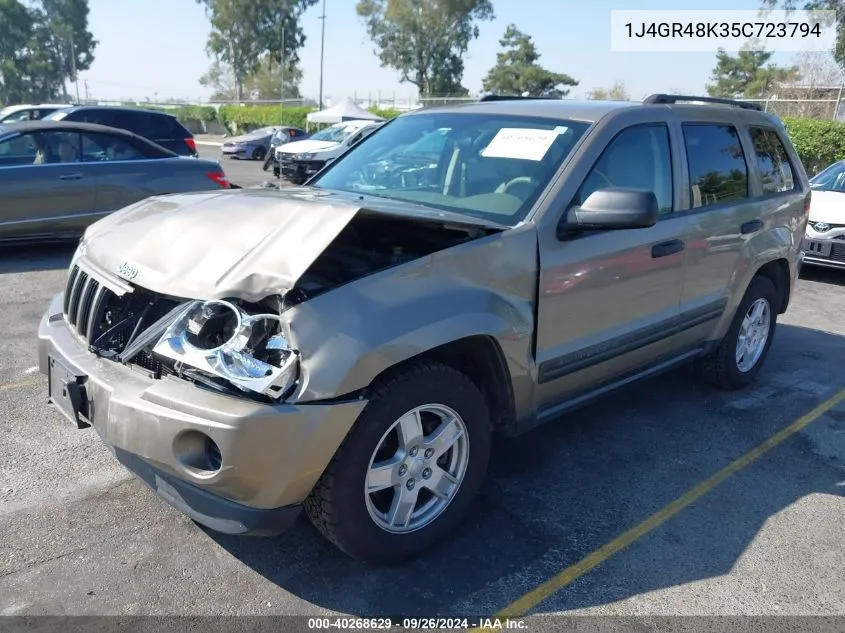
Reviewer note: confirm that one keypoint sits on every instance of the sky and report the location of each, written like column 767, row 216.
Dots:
column 156, row 49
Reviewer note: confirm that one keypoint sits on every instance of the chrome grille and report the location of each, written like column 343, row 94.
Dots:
column 829, row 226
column 85, row 303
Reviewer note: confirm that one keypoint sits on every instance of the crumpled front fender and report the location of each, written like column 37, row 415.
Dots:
column 350, row 335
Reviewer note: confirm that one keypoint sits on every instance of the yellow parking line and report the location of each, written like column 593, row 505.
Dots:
column 23, row 383
column 521, row 606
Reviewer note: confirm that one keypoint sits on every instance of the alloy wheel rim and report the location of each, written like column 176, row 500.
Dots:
column 417, row 468
column 753, row 335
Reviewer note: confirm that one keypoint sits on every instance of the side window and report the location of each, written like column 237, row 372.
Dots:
column 772, row 161
column 164, row 126
column 138, row 123
column 638, row 158
column 102, row 147
column 92, row 116
column 23, row 115
column 718, row 172
column 18, row 150
column 56, row 147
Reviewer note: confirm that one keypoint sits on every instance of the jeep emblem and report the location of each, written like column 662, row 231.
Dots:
column 127, row 271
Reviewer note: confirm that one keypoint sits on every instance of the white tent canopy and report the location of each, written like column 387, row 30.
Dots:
column 344, row 111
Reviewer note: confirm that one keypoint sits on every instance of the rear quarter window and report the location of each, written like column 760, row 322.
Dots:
column 776, row 172
column 718, row 171
column 167, row 127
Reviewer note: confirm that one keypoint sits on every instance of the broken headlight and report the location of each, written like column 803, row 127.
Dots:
column 250, row 351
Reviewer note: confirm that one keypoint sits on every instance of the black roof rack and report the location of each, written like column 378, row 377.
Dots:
column 661, row 98
column 510, row 98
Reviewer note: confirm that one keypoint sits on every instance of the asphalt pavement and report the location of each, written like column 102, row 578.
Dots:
column 78, row 535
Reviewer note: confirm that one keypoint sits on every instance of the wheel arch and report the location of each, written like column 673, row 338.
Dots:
column 777, row 271
column 481, row 359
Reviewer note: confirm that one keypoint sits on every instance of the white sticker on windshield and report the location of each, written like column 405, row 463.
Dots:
column 522, row 143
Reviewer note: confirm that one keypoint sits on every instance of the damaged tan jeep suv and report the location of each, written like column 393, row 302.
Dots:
column 351, row 346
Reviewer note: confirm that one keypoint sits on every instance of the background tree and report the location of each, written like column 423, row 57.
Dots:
column 264, row 83
column 61, row 29
column 747, row 75
column 819, row 5
column 425, row 40
column 617, row 92
column 818, row 69
column 41, row 43
column 15, row 34
column 243, row 32
column 814, row 91
column 517, row 71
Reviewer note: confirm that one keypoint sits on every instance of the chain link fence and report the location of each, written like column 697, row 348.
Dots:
column 803, row 102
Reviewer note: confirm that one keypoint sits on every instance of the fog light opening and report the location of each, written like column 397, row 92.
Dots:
column 198, row 453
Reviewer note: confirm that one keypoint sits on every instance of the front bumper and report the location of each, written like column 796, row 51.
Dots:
column 232, row 152
column 298, row 171
column 270, row 456
column 824, row 263
column 823, row 251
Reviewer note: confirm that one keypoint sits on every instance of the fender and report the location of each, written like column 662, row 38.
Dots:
column 765, row 247
column 350, row 335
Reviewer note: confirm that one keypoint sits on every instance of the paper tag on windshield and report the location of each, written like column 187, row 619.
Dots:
column 521, row 143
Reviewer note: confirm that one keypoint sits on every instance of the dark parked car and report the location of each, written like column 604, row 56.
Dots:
column 160, row 127
column 57, row 177
column 251, row 146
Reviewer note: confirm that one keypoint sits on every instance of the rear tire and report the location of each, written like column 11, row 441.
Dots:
column 752, row 330
column 393, row 458
column 259, row 153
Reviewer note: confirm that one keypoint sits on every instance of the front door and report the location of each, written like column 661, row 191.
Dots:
column 609, row 300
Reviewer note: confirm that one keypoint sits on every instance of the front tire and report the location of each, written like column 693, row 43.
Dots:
column 741, row 354
column 409, row 470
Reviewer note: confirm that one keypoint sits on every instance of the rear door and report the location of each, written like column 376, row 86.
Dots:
column 729, row 207
column 44, row 186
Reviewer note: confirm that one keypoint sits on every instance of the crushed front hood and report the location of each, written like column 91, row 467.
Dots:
column 245, row 243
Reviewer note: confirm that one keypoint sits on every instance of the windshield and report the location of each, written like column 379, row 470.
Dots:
column 831, row 179
column 492, row 167
column 333, row 134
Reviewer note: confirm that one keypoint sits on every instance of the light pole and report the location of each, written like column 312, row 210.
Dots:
column 73, row 67
column 322, row 49
column 282, row 73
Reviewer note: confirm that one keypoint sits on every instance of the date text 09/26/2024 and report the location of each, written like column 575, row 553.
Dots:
column 419, row 624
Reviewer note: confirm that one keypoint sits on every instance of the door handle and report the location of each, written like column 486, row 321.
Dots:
column 76, row 176
column 751, row 226
column 667, row 248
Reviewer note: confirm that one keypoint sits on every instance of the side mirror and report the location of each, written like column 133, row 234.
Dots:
column 612, row 209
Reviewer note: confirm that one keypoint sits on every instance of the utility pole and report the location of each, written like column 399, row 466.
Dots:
column 282, row 58
column 87, row 97
column 322, row 49
column 73, row 67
